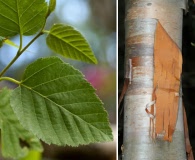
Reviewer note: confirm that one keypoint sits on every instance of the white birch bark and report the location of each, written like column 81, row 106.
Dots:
column 141, row 21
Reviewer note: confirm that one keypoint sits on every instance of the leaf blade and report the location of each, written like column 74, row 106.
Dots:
column 65, row 40
column 25, row 17
column 2, row 40
column 69, row 106
column 12, row 131
column 52, row 6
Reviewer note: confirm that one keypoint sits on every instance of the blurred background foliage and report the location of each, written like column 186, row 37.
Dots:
column 96, row 20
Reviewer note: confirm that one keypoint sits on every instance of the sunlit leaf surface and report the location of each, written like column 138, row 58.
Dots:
column 59, row 106
column 67, row 41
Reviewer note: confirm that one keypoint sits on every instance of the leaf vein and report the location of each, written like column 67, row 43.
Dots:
column 49, row 116
column 69, row 91
column 8, row 29
column 91, row 114
column 62, row 108
column 35, row 112
column 29, row 29
column 8, row 18
column 8, row 6
column 65, row 76
column 31, row 19
column 81, row 135
column 69, row 44
column 79, row 103
column 17, row 6
column 65, row 125
column 39, row 71
column 27, row 8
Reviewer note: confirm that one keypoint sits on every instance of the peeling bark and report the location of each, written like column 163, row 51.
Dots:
column 140, row 27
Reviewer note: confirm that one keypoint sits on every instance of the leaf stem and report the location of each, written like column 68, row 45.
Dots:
column 20, row 51
column 9, row 79
column 21, row 42
column 46, row 31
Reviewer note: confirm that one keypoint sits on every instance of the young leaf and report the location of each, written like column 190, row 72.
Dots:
column 11, row 43
column 32, row 155
column 52, row 6
column 12, row 131
column 67, row 41
column 59, row 106
column 7, row 41
column 25, row 17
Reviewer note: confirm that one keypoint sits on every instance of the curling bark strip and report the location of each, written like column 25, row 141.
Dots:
column 167, row 72
column 141, row 24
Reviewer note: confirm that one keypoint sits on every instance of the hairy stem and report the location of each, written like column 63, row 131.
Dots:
column 9, row 79
column 20, row 50
column 19, row 53
column 21, row 42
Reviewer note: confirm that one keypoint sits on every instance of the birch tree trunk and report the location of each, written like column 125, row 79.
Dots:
column 140, row 25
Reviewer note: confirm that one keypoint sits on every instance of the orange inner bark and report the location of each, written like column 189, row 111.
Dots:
column 167, row 71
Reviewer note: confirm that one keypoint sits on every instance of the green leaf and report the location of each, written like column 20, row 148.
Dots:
column 11, row 43
column 21, row 16
column 32, row 155
column 2, row 40
column 7, row 41
column 59, row 106
column 52, row 6
column 68, row 42
column 12, row 133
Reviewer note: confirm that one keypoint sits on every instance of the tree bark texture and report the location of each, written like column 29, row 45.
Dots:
column 141, row 20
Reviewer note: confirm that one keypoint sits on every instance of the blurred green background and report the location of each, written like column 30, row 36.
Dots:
column 96, row 20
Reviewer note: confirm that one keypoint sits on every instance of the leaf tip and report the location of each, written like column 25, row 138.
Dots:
column 95, row 61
